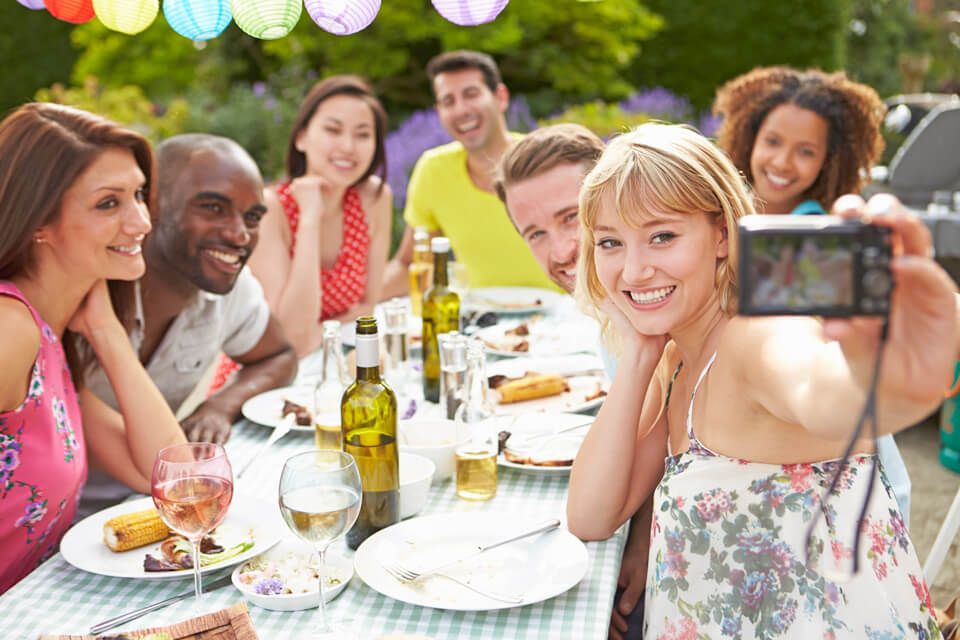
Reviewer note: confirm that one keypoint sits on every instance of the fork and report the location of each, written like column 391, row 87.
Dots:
column 405, row 575
column 282, row 429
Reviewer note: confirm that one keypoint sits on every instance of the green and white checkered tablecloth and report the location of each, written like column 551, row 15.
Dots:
column 58, row 598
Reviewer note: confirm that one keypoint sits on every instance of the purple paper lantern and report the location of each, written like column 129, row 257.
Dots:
column 469, row 13
column 36, row 5
column 343, row 17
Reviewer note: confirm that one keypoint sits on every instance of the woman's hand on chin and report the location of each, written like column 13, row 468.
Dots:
column 919, row 357
column 95, row 312
column 631, row 340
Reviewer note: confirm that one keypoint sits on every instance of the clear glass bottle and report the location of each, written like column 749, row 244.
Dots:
column 441, row 314
column 329, row 389
column 420, row 269
column 453, row 372
column 368, row 413
column 477, row 459
column 395, row 347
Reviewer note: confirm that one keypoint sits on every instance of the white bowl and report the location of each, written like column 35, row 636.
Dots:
column 336, row 567
column 416, row 473
column 434, row 439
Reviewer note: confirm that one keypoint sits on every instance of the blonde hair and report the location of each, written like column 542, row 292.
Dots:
column 656, row 169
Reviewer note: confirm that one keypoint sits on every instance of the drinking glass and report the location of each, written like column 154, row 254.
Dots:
column 320, row 497
column 453, row 372
column 192, row 486
column 396, row 353
column 458, row 278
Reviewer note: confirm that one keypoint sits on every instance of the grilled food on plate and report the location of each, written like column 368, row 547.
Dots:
column 132, row 530
column 532, row 386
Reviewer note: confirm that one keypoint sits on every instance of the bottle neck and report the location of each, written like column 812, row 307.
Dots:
column 440, row 269
column 368, row 358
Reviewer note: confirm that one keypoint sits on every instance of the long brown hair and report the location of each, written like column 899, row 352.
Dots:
column 343, row 85
column 43, row 149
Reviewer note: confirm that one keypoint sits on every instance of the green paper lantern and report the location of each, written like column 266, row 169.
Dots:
column 266, row 19
column 126, row 16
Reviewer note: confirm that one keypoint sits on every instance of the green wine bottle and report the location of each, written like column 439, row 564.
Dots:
column 368, row 417
column 441, row 314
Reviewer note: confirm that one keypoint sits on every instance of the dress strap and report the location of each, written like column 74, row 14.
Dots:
column 7, row 288
column 666, row 402
column 693, row 396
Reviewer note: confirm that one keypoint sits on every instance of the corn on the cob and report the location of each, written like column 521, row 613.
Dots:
column 531, row 387
column 132, row 530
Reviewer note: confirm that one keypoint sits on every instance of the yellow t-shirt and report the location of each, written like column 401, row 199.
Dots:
column 442, row 197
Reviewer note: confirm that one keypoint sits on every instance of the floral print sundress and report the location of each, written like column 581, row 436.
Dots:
column 43, row 462
column 727, row 552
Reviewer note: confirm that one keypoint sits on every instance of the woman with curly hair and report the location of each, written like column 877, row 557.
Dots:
column 802, row 138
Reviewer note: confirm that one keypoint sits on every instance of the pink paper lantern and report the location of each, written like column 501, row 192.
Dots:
column 343, row 17
column 75, row 11
column 32, row 4
column 469, row 13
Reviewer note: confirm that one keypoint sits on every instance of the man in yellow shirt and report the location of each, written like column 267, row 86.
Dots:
column 451, row 187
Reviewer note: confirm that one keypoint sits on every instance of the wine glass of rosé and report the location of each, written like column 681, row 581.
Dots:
column 192, row 486
column 320, row 495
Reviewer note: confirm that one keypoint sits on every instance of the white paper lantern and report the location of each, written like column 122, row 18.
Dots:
column 469, row 13
column 343, row 17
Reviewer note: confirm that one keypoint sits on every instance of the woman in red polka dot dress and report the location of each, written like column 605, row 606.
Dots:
column 324, row 241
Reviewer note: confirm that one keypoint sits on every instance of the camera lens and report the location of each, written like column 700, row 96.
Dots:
column 877, row 283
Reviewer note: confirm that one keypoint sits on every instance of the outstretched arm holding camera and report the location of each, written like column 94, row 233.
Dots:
column 816, row 374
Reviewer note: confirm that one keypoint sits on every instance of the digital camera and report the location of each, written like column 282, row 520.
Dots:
column 813, row 266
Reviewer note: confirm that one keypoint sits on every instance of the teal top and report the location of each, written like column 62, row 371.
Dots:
column 808, row 208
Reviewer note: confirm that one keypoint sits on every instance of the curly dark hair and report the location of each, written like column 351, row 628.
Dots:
column 853, row 113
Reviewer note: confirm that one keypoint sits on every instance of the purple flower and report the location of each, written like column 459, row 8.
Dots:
column 730, row 627
column 659, row 103
column 783, row 618
column 411, row 409
column 753, row 589
column 259, row 89
column 32, row 514
column 9, row 455
column 269, row 586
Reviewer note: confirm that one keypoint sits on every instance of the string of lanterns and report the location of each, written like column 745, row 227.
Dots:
column 264, row 19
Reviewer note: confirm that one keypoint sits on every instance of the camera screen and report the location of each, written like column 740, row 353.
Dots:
column 801, row 271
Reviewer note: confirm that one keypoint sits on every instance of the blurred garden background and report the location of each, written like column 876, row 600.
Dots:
column 608, row 64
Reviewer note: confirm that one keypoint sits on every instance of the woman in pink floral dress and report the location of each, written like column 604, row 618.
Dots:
column 73, row 191
column 752, row 413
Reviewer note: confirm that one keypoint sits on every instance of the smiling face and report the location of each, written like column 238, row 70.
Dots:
column 544, row 209
column 788, row 153
column 339, row 142
column 209, row 221
column 102, row 222
column 469, row 110
column 662, row 273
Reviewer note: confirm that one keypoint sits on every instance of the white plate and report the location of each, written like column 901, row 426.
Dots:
column 541, row 425
column 534, row 569
column 512, row 299
column 83, row 546
column 548, row 336
column 335, row 567
column 589, row 380
column 265, row 408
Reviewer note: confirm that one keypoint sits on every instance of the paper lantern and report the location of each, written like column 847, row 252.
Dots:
column 343, row 17
column 197, row 19
column 469, row 13
column 126, row 16
column 266, row 19
column 32, row 4
column 75, row 11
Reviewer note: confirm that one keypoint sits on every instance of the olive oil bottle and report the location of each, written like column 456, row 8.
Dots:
column 441, row 314
column 368, row 415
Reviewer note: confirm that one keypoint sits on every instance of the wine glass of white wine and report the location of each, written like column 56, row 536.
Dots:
column 320, row 496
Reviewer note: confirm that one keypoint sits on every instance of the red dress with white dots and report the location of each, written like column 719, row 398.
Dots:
column 344, row 284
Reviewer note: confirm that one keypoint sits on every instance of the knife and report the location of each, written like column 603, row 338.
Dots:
column 142, row 611
column 543, row 527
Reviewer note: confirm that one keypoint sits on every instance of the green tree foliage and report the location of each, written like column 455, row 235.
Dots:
column 36, row 52
column 707, row 42
column 552, row 52
column 880, row 32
